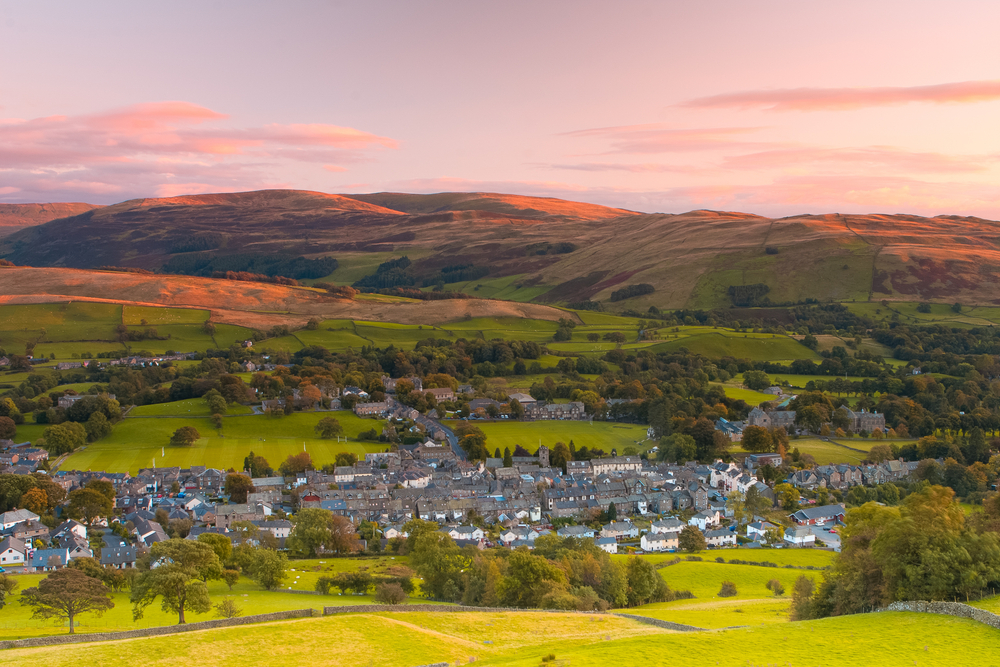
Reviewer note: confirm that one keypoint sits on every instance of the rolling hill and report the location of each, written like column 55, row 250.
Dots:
column 14, row 217
column 544, row 250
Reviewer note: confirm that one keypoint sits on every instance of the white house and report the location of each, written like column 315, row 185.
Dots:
column 466, row 533
column 720, row 538
column 11, row 519
column 70, row 526
column 705, row 519
column 759, row 528
column 658, row 542
column 608, row 544
column 12, row 551
column 800, row 537
column 392, row 531
column 670, row 525
column 575, row 531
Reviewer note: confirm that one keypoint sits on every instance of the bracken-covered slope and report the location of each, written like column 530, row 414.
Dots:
column 245, row 303
column 18, row 216
column 546, row 250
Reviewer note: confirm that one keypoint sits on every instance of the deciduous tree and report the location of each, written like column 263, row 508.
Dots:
column 238, row 487
column 177, row 578
column 185, row 436
column 329, row 427
column 67, row 593
column 691, row 540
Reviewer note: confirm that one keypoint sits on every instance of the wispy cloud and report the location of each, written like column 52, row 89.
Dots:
column 838, row 99
column 660, row 138
column 163, row 148
column 874, row 157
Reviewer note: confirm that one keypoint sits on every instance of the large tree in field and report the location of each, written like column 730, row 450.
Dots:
column 329, row 427
column 67, row 593
column 756, row 380
column 311, row 531
column 185, row 436
column 181, row 567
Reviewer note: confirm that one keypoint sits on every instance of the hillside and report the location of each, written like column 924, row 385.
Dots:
column 14, row 217
column 243, row 303
column 542, row 249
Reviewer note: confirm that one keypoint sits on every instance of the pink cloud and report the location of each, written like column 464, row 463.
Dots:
column 164, row 147
column 839, row 99
column 879, row 157
column 658, row 138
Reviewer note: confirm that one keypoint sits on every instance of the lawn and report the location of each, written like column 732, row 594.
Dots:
column 602, row 435
column 750, row 396
column 704, row 578
column 829, row 452
column 521, row 639
column 718, row 613
column 154, row 315
column 135, row 442
column 801, row 557
column 191, row 407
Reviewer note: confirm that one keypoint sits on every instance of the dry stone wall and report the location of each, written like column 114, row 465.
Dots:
column 152, row 632
column 950, row 609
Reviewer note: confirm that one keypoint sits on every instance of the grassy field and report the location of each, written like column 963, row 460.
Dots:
column 16, row 621
column 135, row 442
column 522, row 639
column 704, row 579
column 602, row 435
column 940, row 313
column 829, row 452
column 750, row 396
column 191, row 407
column 718, row 613
column 154, row 316
column 799, row 557
column 756, row 347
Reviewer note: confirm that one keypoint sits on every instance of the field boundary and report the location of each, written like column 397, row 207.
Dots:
column 958, row 609
column 52, row 640
column 382, row 608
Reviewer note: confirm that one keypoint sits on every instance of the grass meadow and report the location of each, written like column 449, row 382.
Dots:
column 136, row 441
column 522, row 639
column 602, row 435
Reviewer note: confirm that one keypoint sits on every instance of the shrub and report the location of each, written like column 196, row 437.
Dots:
column 631, row 291
column 389, row 593
column 776, row 587
column 728, row 589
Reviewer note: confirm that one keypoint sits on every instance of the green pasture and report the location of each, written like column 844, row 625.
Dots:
column 191, row 407
column 748, row 395
column 602, row 435
column 16, row 621
column 508, row 288
column 522, row 639
column 941, row 313
column 135, row 442
column 830, row 452
column 155, row 315
column 718, row 613
column 799, row 557
column 704, row 578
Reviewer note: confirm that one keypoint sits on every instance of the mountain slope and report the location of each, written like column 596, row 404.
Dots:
column 543, row 249
column 18, row 216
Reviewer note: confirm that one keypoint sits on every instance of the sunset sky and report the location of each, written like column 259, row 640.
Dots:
column 773, row 108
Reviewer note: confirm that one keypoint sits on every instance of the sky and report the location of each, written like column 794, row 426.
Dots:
column 774, row 108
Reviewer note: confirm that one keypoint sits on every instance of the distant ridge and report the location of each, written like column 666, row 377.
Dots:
column 544, row 249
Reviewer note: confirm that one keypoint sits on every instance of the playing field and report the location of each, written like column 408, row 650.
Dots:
column 135, row 442
column 602, row 435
